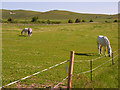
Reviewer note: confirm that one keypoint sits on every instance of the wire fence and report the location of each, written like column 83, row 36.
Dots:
column 96, row 67
column 34, row 74
column 66, row 70
column 89, row 70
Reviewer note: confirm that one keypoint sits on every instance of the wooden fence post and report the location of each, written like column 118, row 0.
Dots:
column 70, row 70
column 112, row 58
column 91, row 69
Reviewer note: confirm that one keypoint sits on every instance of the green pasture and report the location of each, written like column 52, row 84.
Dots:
column 50, row 45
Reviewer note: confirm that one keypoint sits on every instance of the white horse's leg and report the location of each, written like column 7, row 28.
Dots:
column 105, row 50
column 22, row 32
column 101, row 49
column 98, row 48
column 25, row 33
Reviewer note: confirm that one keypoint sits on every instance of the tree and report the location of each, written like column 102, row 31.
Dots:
column 77, row 20
column 70, row 21
column 34, row 19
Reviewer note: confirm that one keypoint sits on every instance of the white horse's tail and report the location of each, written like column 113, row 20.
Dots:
column 109, row 47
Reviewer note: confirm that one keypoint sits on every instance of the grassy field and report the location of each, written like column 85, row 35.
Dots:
column 50, row 45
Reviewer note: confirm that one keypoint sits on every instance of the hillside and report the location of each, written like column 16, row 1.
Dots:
column 53, row 15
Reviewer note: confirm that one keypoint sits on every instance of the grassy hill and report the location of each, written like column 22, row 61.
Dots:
column 53, row 15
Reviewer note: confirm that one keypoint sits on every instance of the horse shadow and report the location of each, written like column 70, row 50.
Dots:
column 22, row 35
column 86, row 54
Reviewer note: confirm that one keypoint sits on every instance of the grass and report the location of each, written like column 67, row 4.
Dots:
column 51, row 44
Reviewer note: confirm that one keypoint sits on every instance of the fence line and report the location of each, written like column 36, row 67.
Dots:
column 116, row 50
column 90, row 60
column 61, row 82
column 34, row 74
column 95, row 58
column 60, row 64
column 86, row 71
column 97, row 66
column 104, row 63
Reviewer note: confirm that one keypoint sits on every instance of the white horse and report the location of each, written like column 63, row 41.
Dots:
column 29, row 30
column 103, row 41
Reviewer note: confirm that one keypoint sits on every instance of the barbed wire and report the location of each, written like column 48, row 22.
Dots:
column 34, row 74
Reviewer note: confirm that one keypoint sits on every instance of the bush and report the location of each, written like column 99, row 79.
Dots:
column 48, row 22
column 34, row 19
column 10, row 19
column 77, row 20
column 83, row 21
column 106, row 21
column 115, row 20
column 91, row 20
column 39, row 21
column 70, row 21
column 42, row 21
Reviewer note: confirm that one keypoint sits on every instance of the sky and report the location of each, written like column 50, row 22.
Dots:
column 80, row 7
column 60, row 0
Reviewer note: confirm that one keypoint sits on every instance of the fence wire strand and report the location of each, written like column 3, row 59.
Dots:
column 96, row 67
column 116, row 50
column 60, row 82
column 89, row 60
column 33, row 74
column 95, row 58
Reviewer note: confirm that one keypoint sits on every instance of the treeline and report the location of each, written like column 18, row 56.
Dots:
column 78, row 21
column 35, row 19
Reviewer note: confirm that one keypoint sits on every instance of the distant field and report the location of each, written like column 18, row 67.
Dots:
column 50, row 45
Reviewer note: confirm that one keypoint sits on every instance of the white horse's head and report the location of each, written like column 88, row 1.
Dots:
column 109, row 51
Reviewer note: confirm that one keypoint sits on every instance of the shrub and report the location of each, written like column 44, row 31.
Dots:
column 48, row 22
column 70, row 21
column 91, row 20
column 115, row 20
column 43, row 21
column 34, row 19
column 77, row 20
column 106, row 21
column 83, row 21
column 10, row 19
column 39, row 21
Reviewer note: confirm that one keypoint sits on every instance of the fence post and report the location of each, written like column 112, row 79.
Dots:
column 91, row 69
column 70, row 70
column 112, row 58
